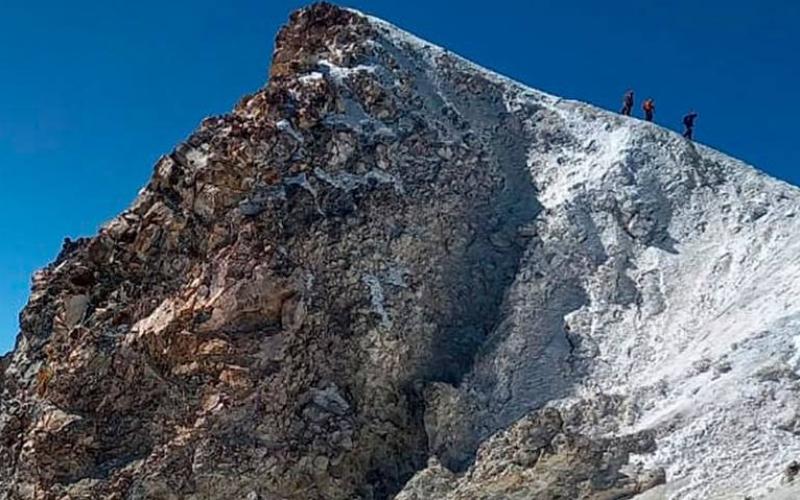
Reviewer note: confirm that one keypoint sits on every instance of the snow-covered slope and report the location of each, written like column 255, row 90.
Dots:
column 661, row 295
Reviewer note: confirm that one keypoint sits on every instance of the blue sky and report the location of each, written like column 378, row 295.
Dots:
column 93, row 92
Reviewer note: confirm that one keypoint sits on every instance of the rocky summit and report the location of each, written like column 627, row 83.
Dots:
column 391, row 273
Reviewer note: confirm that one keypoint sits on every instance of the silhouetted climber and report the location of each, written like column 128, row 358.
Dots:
column 649, row 107
column 627, row 103
column 688, row 122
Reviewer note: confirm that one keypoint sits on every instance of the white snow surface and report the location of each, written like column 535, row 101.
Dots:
column 690, row 317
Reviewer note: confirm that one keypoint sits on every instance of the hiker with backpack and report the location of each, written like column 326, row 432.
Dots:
column 688, row 123
column 649, row 108
column 627, row 103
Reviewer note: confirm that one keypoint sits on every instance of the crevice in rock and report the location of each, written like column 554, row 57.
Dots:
column 481, row 276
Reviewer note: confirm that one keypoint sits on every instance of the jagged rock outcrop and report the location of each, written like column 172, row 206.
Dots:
column 389, row 257
column 538, row 458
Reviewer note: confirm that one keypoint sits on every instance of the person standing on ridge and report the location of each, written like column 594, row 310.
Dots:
column 688, row 123
column 627, row 103
column 649, row 107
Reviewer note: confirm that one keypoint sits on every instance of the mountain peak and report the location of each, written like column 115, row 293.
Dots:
column 321, row 30
column 393, row 273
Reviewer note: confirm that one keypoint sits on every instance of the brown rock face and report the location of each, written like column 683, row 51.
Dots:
column 265, row 319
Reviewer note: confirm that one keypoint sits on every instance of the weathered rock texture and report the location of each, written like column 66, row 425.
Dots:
column 387, row 258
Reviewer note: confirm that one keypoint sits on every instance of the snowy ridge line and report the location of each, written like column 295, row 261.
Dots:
column 399, row 34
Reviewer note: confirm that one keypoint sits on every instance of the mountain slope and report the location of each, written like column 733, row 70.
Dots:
column 390, row 257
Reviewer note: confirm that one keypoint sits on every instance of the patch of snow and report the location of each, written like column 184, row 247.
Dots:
column 197, row 158
column 349, row 182
column 377, row 299
column 314, row 76
column 339, row 74
column 286, row 126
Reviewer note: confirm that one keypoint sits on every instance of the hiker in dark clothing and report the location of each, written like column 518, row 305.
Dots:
column 627, row 103
column 688, row 123
column 649, row 108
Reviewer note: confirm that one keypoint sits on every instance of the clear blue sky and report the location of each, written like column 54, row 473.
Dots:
column 93, row 92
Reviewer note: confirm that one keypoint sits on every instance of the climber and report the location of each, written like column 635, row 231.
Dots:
column 627, row 103
column 649, row 107
column 688, row 123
